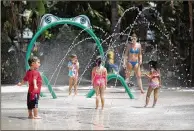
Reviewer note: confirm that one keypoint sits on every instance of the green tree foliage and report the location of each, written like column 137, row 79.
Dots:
column 175, row 16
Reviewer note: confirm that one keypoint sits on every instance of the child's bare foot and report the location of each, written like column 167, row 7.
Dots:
column 102, row 108
column 142, row 92
column 37, row 117
column 145, row 106
column 30, row 117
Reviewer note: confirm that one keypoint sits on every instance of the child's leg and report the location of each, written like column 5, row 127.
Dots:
column 155, row 96
column 148, row 96
column 102, row 96
column 75, row 86
column 97, row 96
column 70, row 84
column 35, row 109
column 36, row 116
column 30, row 115
column 30, row 107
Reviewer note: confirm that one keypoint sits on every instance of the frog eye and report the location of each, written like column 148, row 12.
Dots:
column 82, row 19
column 47, row 19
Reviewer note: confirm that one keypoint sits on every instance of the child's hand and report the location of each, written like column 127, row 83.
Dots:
column 19, row 84
column 35, row 88
column 147, row 75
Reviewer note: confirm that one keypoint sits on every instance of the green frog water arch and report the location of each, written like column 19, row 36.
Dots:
column 81, row 21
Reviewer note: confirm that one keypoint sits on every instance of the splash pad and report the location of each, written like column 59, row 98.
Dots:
column 83, row 22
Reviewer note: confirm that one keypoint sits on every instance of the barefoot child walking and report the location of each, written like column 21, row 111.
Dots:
column 154, row 82
column 34, row 80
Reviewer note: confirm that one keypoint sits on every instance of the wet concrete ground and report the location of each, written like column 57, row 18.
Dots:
column 174, row 111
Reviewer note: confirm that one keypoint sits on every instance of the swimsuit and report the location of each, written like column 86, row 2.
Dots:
column 154, row 84
column 32, row 100
column 133, row 63
column 73, row 71
column 99, row 79
column 133, row 51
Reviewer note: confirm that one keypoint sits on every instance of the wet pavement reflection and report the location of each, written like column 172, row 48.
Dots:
column 173, row 111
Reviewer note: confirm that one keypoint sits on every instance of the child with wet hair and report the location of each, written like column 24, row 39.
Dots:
column 34, row 80
column 73, row 66
column 154, row 82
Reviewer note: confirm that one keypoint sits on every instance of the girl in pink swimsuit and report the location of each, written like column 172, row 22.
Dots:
column 154, row 82
column 99, row 81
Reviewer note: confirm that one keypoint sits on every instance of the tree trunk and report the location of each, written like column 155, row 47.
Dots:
column 142, row 27
column 192, row 44
column 114, row 18
column 172, row 4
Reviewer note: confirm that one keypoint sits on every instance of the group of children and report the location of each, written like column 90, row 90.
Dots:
column 99, row 82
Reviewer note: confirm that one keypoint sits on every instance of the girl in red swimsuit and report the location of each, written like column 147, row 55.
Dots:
column 99, row 81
